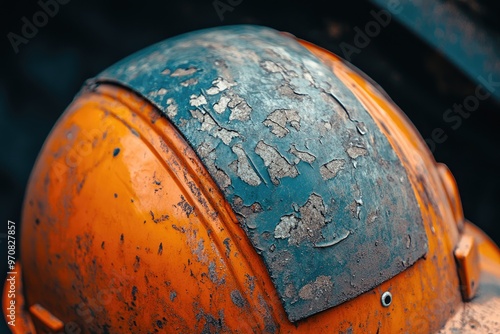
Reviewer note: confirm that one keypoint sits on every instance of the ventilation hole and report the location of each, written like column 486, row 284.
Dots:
column 386, row 299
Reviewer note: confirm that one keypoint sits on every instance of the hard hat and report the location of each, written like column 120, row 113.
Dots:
column 237, row 179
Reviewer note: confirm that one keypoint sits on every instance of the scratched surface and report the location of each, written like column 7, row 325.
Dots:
column 316, row 186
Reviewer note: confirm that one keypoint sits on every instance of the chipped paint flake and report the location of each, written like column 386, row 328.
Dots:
column 354, row 152
column 361, row 127
column 208, row 124
column 189, row 82
column 289, row 91
column 197, row 101
column 312, row 220
column 279, row 119
column 221, row 106
column 246, row 211
column 243, row 168
column 355, row 208
column 159, row 92
column 219, row 85
column 207, row 153
column 285, row 226
column 277, row 166
column 307, row 227
column 330, row 169
column 181, row 72
column 225, row 135
column 240, row 109
column 304, row 156
column 171, row 108
column 271, row 66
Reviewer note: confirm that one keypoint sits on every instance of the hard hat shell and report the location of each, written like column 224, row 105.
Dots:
column 239, row 180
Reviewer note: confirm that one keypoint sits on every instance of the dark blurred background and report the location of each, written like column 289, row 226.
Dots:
column 39, row 81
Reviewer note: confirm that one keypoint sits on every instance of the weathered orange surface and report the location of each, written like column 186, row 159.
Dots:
column 124, row 230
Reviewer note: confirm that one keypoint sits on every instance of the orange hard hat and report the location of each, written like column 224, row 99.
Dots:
column 237, row 179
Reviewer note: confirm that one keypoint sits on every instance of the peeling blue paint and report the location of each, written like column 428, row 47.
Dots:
column 327, row 206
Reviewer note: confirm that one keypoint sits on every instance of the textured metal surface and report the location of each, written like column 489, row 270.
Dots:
column 316, row 186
